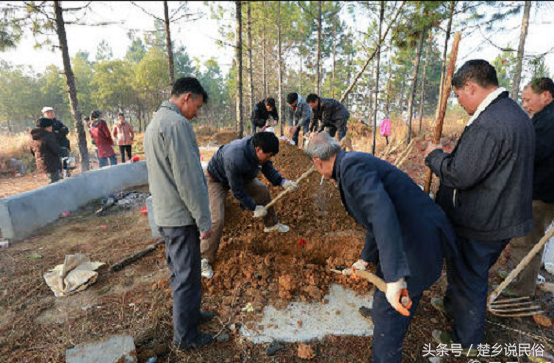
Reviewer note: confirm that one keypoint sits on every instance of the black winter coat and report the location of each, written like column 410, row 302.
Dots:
column 46, row 150
column 235, row 164
column 330, row 112
column 543, row 177
column 260, row 114
column 61, row 131
column 487, row 180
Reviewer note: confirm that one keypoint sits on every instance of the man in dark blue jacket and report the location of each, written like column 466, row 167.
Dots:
column 235, row 166
column 486, row 189
column 407, row 235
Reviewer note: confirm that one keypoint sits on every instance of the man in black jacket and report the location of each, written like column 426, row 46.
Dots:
column 538, row 97
column 407, row 235
column 485, row 190
column 59, row 129
column 261, row 113
column 235, row 167
column 332, row 114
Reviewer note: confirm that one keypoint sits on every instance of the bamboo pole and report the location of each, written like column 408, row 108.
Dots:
column 444, row 100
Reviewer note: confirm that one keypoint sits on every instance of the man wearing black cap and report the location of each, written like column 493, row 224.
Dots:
column 261, row 113
column 45, row 148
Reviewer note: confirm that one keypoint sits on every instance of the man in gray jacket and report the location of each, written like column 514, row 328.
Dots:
column 299, row 115
column 181, row 204
column 333, row 115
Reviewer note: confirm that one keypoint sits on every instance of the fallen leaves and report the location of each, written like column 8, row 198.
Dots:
column 542, row 320
column 305, row 351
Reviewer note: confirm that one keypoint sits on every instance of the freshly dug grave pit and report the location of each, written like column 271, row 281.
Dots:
column 274, row 268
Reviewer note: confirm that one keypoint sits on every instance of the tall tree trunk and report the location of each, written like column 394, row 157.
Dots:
column 264, row 55
column 251, row 64
column 334, row 61
column 422, row 93
column 445, row 52
column 520, row 51
column 414, row 84
column 281, row 108
column 389, row 86
column 71, row 89
column 370, row 77
column 318, row 55
column 301, row 73
column 171, row 67
column 381, row 17
column 238, row 53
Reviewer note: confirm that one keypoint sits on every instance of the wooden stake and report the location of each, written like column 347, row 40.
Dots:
column 443, row 103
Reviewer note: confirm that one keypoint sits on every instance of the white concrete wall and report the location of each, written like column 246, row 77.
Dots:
column 23, row 214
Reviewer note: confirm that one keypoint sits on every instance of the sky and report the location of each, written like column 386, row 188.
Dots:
column 199, row 36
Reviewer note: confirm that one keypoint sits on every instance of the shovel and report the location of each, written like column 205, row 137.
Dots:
column 375, row 280
column 286, row 191
column 520, row 306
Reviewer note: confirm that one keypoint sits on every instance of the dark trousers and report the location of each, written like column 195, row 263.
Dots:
column 332, row 130
column 305, row 126
column 466, row 294
column 182, row 252
column 390, row 327
column 122, row 150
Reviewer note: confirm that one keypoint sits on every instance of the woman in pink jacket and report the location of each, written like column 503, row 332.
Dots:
column 101, row 134
column 124, row 135
column 385, row 129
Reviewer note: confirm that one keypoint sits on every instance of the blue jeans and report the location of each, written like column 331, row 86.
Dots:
column 466, row 294
column 390, row 327
column 182, row 253
column 104, row 161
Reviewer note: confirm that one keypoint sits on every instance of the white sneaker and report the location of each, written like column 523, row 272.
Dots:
column 206, row 269
column 281, row 228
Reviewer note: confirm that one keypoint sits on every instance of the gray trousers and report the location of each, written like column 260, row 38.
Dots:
column 524, row 284
column 182, row 252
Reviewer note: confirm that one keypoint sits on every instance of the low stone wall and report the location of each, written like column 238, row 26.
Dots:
column 23, row 214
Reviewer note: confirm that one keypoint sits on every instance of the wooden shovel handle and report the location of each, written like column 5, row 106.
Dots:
column 286, row 191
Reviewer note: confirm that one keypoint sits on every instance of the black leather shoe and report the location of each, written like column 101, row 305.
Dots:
column 205, row 316
column 200, row 341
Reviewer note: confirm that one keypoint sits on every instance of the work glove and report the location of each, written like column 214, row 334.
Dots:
column 260, row 211
column 289, row 184
column 395, row 292
column 360, row 265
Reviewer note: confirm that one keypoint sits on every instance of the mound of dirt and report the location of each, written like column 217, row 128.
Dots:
column 222, row 138
column 276, row 267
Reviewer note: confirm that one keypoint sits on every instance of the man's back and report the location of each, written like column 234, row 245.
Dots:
column 174, row 169
column 489, row 196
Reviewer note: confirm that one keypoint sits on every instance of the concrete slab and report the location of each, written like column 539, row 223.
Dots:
column 302, row 322
column 23, row 214
column 114, row 349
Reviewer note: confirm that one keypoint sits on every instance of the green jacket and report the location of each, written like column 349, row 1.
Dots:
column 177, row 184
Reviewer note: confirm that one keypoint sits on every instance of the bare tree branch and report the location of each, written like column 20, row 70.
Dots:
column 79, row 8
column 146, row 11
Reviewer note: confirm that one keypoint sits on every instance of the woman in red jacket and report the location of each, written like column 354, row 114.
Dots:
column 101, row 134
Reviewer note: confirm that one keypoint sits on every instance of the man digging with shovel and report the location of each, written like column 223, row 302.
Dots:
column 407, row 235
column 235, row 166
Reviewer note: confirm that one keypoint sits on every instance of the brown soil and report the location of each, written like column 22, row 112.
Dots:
column 222, row 138
column 252, row 267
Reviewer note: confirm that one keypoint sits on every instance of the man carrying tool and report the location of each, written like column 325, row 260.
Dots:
column 537, row 99
column 407, row 235
column 262, row 112
column 235, row 167
column 299, row 115
column 332, row 114
column 485, row 190
column 181, row 204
